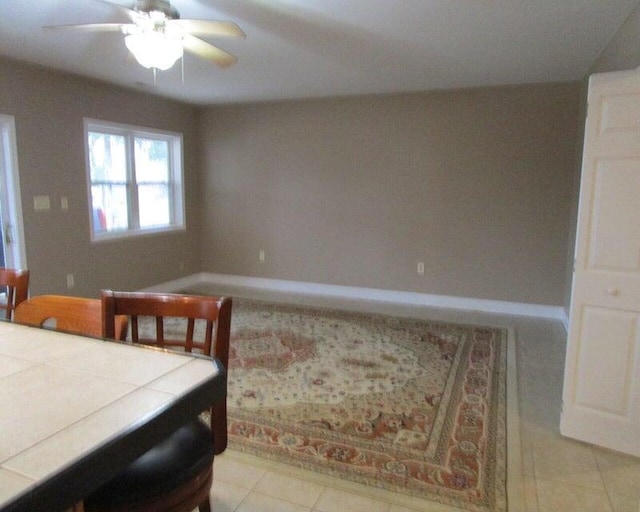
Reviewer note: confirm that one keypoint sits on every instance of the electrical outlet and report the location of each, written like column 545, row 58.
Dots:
column 70, row 281
column 261, row 256
column 420, row 268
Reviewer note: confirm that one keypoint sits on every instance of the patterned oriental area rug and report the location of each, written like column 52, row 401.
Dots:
column 411, row 406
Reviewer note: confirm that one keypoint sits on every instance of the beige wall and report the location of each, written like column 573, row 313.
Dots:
column 49, row 109
column 475, row 183
column 623, row 52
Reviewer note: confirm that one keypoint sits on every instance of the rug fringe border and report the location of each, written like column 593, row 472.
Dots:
column 337, row 483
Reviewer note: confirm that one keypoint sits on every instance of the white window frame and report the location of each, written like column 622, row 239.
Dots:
column 176, row 179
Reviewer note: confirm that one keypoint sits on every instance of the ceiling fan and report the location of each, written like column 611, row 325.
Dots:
column 157, row 36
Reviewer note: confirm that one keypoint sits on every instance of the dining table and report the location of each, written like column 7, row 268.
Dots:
column 75, row 410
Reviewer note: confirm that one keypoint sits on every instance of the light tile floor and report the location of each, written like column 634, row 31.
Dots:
column 560, row 475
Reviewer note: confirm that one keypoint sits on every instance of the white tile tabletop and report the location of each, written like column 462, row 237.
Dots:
column 66, row 399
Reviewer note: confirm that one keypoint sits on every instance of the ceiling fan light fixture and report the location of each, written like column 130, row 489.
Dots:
column 157, row 37
column 155, row 49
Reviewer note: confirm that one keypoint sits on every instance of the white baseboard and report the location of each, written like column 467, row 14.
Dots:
column 370, row 294
column 177, row 284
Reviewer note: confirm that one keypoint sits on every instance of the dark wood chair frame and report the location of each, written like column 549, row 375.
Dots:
column 17, row 284
column 216, row 312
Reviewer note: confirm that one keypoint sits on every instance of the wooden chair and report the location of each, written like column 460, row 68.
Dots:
column 175, row 476
column 16, row 283
column 77, row 315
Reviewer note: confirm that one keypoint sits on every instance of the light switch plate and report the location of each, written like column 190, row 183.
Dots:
column 41, row 203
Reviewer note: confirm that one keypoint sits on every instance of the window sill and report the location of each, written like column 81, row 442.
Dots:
column 115, row 236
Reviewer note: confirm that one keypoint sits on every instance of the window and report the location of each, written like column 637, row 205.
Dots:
column 135, row 180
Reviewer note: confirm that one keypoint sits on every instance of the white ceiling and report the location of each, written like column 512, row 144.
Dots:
column 317, row 48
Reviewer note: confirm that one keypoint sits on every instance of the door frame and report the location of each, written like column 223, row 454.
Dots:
column 12, row 227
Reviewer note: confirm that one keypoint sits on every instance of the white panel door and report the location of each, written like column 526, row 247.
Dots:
column 601, row 395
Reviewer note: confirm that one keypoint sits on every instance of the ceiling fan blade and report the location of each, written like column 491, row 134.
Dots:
column 88, row 27
column 207, row 51
column 210, row 27
column 130, row 13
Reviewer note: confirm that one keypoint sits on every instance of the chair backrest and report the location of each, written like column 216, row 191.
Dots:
column 71, row 314
column 16, row 283
column 171, row 321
